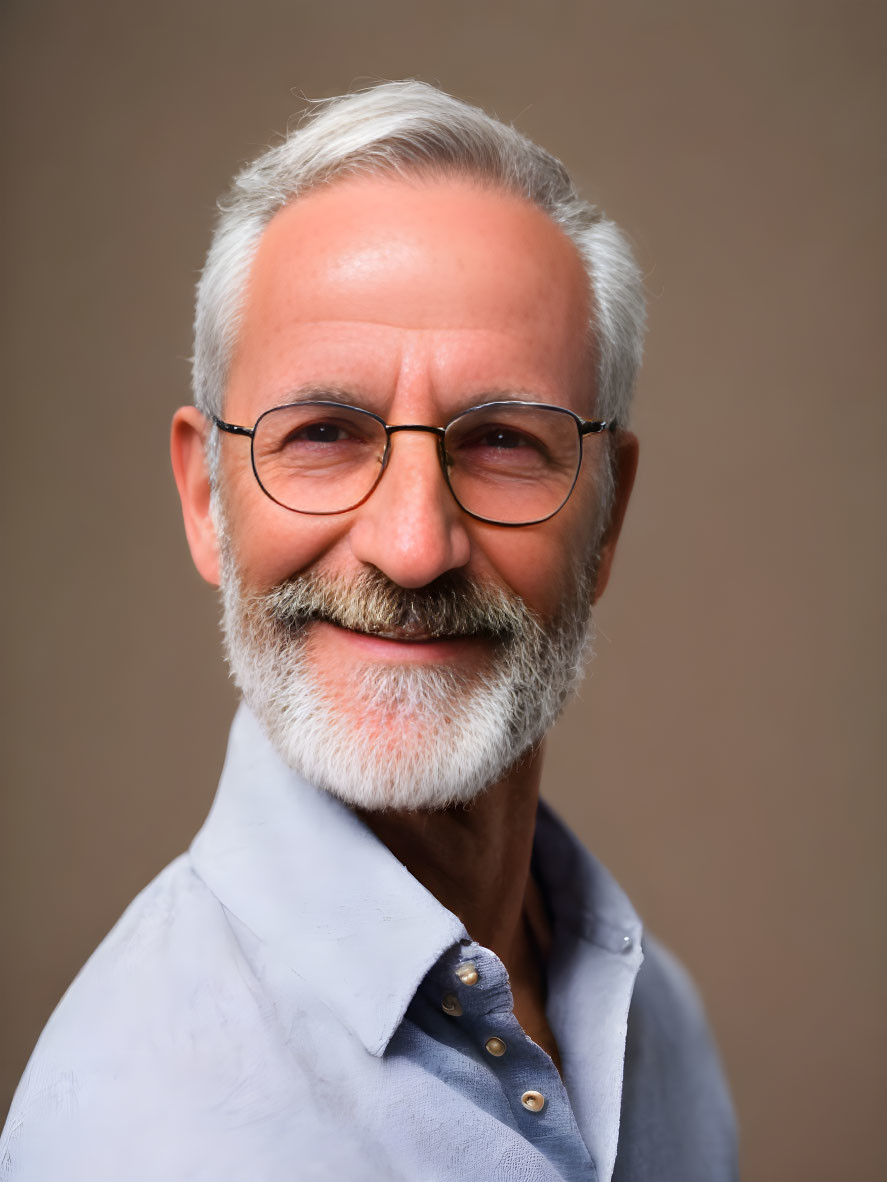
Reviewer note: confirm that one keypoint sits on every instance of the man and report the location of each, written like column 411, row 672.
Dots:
column 407, row 468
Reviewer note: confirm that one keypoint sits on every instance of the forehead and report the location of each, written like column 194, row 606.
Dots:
column 372, row 279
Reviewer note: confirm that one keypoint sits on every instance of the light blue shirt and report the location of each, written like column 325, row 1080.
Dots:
column 286, row 1001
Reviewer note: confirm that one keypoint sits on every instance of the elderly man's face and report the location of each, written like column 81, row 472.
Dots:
column 415, row 300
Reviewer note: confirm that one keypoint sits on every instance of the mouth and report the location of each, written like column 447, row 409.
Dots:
column 410, row 629
column 402, row 644
column 408, row 634
column 412, row 635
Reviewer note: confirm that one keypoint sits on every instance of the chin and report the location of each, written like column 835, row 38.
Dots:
column 405, row 739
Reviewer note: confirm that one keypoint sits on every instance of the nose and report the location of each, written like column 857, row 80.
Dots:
column 411, row 527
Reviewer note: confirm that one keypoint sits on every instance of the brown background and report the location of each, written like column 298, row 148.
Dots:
column 726, row 759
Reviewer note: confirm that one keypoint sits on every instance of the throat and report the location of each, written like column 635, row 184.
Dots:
column 476, row 861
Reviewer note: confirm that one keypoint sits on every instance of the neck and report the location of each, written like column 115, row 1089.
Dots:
column 476, row 861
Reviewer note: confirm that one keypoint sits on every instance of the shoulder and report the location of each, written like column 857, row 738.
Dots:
column 677, row 1117
column 665, row 995
column 133, row 1038
column 145, row 977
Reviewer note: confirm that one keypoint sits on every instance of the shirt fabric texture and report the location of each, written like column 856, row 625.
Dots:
column 282, row 1002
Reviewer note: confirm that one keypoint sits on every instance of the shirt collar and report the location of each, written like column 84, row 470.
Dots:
column 311, row 881
column 582, row 895
column 314, row 884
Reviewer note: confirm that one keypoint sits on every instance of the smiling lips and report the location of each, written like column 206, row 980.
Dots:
column 408, row 633
column 405, row 635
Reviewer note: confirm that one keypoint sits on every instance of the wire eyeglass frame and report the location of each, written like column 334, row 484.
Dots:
column 583, row 426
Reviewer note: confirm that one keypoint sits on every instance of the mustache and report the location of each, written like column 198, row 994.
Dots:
column 453, row 605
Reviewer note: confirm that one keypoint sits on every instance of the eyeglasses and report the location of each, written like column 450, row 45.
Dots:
column 507, row 463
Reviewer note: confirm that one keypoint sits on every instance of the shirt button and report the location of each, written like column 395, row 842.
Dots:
column 495, row 1046
column 533, row 1101
column 451, row 1005
column 467, row 972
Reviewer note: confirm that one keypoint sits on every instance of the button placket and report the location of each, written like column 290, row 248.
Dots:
column 479, row 1016
column 529, row 1077
column 483, row 1002
column 467, row 974
column 517, row 1068
column 474, row 995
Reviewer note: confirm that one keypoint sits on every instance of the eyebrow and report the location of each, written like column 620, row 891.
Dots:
column 506, row 394
column 322, row 392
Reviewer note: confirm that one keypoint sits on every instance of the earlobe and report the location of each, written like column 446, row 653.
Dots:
column 188, row 454
column 625, row 466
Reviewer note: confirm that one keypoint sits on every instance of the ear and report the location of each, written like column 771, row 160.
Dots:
column 187, row 447
column 625, row 466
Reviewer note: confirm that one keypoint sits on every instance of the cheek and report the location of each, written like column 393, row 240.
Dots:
column 539, row 563
column 271, row 543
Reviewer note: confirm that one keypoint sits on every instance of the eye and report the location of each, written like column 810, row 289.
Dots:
column 501, row 437
column 319, row 432
column 502, row 440
column 317, row 435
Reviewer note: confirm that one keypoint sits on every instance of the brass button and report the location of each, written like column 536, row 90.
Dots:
column 451, row 1005
column 533, row 1101
column 467, row 972
column 495, row 1046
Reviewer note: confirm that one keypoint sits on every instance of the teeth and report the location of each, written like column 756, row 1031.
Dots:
column 404, row 634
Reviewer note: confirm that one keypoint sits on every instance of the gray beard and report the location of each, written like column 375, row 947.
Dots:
column 404, row 737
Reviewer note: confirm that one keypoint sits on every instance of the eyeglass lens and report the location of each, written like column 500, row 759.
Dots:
column 508, row 463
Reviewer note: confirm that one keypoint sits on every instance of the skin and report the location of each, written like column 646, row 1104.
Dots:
column 419, row 299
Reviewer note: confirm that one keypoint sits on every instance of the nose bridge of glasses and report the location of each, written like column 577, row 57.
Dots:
column 417, row 428
column 437, row 431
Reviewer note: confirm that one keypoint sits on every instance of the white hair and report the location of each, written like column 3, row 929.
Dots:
column 412, row 129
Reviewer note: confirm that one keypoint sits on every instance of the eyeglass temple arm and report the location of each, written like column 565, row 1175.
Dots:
column 232, row 428
column 595, row 426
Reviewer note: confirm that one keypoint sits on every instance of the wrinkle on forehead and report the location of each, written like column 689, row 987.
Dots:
column 369, row 279
column 358, row 239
